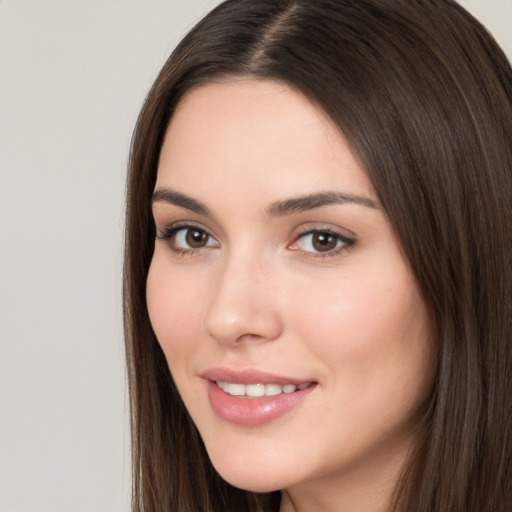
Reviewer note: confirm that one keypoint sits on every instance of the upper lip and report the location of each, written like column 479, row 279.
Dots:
column 250, row 376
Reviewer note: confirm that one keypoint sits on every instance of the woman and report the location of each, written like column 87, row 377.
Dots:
column 317, row 275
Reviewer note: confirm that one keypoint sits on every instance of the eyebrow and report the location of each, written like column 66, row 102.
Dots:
column 177, row 198
column 278, row 209
column 311, row 201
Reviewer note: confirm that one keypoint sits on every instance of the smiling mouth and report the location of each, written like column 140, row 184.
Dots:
column 259, row 390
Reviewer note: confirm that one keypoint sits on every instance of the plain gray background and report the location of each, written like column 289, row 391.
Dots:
column 73, row 75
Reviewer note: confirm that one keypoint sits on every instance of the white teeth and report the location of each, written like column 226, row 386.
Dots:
column 257, row 390
column 237, row 389
column 273, row 389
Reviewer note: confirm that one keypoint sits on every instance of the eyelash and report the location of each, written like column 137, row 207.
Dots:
column 168, row 235
column 346, row 243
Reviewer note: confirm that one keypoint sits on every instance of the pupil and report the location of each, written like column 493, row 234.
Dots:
column 324, row 242
column 196, row 238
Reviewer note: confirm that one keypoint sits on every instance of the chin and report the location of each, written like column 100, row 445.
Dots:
column 252, row 481
column 244, row 472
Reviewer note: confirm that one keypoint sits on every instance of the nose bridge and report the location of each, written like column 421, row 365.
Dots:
column 244, row 304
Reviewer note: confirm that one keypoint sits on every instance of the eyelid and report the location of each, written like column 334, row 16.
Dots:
column 168, row 233
column 168, row 228
column 327, row 227
column 348, row 242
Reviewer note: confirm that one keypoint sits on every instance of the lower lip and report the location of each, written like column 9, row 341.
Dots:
column 252, row 412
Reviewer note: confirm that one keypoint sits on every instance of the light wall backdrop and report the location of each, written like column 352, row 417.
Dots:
column 73, row 75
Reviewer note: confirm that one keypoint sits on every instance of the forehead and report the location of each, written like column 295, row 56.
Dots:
column 259, row 134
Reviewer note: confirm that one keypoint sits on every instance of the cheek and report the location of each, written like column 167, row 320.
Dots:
column 174, row 309
column 371, row 331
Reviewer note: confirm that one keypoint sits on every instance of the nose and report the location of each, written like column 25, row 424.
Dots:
column 244, row 306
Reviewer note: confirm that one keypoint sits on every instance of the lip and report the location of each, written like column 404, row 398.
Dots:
column 252, row 412
column 250, row 376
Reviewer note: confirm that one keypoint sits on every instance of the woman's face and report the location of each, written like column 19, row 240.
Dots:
column 276, row 273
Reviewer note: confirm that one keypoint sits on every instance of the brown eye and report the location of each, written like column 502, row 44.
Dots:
column 196, row 239
column 183, row 239
column 324, row 241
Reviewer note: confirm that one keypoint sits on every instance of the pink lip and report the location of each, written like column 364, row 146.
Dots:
column 252, row 412
column 249, row 376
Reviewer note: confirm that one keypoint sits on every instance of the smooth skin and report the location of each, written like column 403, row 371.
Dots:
column 318, row 292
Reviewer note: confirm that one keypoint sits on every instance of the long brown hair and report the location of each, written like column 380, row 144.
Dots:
column 423, row 94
